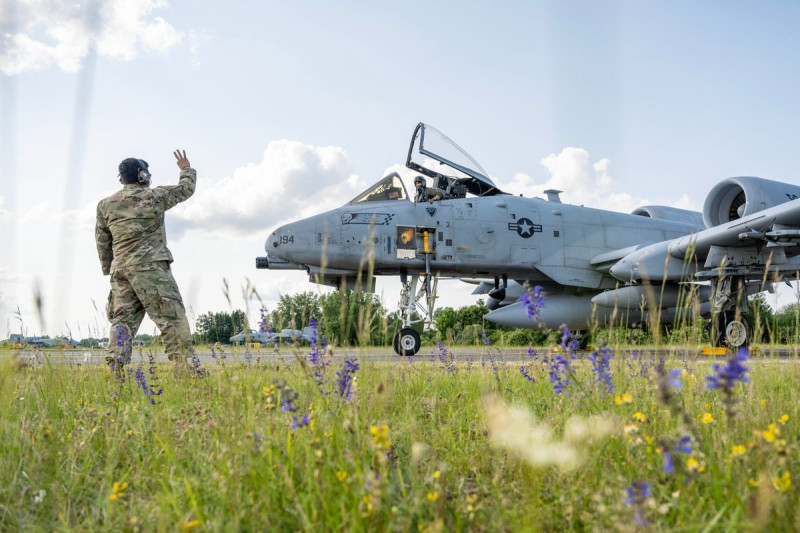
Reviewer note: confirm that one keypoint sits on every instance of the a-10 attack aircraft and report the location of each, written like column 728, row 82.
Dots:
column 594, row 266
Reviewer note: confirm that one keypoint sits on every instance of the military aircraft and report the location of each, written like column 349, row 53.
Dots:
column 594, row 266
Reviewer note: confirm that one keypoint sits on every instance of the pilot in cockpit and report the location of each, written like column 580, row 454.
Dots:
column 425, row 193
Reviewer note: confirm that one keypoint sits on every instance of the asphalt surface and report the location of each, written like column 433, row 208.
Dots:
column 379, row 355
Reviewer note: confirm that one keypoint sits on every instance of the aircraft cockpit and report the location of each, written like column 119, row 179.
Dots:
column 453, row 170
column 389, row 188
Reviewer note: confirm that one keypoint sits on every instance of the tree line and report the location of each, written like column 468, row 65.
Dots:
column 354, row 318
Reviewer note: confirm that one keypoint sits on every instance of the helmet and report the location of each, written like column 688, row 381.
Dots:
column 419, row 179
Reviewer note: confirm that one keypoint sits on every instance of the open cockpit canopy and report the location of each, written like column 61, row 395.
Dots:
column 389, row 188
column 432, row 153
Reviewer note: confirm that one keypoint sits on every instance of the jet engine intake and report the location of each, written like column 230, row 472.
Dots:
column 734, row 198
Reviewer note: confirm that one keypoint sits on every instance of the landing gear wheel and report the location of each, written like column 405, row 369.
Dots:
column 407, row 342
column 737, row 333
column 730, row 332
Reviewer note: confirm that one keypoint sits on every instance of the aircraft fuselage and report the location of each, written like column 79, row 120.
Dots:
column 522, row 238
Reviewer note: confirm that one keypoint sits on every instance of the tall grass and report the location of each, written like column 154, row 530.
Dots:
column 414, row 447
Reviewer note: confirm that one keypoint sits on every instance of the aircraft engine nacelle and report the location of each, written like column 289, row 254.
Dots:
column 663, row 212
column 735, row 198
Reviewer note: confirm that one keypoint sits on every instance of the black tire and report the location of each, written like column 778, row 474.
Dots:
column 407, row 342
column 729, row 332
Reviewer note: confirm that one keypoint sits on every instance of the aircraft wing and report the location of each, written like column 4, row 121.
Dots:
column 764, row 242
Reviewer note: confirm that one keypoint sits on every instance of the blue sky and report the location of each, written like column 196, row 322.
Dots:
column 288, row 108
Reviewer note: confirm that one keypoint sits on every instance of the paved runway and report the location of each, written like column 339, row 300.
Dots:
column 239, row 356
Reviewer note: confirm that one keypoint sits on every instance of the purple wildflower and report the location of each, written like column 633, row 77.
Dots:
column 344, row 378
column 526, row 374
column 674, row 379
column 446, row 358
column 315, row 359
column 532, row 301
column 288, row 397
column 485, row 338
column 725, row 378
column 601, row 366
column 684, row 446
column 532, row 353
column 263, row 323
column 301, row 422
column 198, row 370
column 141, row 381
column 559, row 373
column 638, row 493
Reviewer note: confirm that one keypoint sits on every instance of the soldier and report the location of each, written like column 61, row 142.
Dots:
column 132, row 246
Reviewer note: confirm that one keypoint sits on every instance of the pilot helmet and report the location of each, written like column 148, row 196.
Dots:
column 419, row 181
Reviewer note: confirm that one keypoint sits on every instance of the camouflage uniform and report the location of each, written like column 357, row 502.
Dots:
column 132, row 246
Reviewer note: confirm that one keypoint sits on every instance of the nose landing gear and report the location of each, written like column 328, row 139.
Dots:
column 407, row 342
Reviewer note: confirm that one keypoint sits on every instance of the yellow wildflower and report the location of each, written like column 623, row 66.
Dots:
column 433, row 496
column 625, row 398
column 738, row 450
column 341, row 476
column 782, row 483
column 763, row 404
column 366, row 505
column 118, row 490
column 783, row 419
column 190, row 525
column 770, row 434
column 436, row 475
column 753, row 483
column 707, row 418
column 693, row 465
column 641, row 417
column 380, row 436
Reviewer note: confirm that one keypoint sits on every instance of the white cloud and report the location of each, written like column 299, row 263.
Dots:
column 293, row 180
column 44, row 33
column 583, row 182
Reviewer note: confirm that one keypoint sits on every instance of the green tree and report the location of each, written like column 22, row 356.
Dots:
column 295, row 312
column 353, row 318
column 220, row 327
column 446, row 320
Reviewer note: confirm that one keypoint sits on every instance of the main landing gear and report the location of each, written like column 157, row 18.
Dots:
column 729, row 324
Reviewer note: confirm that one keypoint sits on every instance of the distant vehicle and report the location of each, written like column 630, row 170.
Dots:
column 289, row 336
column 252, row 336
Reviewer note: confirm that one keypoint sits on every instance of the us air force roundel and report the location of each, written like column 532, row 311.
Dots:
column 525, row 228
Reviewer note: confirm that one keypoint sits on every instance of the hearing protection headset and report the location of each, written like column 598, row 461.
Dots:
column 143, row 177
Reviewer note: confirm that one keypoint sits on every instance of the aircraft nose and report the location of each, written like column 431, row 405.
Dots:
column 272, row 242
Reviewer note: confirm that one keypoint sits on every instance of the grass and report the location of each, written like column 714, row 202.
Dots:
column 419, row 445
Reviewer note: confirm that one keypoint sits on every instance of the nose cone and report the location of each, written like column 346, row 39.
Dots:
column 513, row 315
column 623, row 270
column 272, row 243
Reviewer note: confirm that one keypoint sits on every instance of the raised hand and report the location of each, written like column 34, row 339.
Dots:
column 183, row 162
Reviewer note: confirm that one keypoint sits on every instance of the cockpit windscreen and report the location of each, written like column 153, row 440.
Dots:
column 432, row 153
column 389, row 188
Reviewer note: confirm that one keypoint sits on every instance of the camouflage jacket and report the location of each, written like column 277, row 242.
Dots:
column 130, row 222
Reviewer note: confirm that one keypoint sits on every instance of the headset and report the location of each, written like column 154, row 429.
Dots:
column 144, row 175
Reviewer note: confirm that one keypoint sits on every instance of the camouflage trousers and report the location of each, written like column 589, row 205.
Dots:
column 150, row 288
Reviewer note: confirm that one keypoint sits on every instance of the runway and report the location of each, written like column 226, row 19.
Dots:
column 257, row 356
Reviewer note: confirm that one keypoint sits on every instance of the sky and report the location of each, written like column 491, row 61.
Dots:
column 287, row 109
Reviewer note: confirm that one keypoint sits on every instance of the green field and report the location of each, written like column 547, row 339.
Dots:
column 430, row 445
